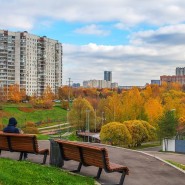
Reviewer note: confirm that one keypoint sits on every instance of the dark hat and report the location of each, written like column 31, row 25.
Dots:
column 12, row 122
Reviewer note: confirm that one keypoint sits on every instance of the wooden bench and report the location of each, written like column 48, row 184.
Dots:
column 23, row 143
column 88, row 155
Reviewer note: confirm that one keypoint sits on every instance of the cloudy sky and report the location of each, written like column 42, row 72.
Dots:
column 138, row 40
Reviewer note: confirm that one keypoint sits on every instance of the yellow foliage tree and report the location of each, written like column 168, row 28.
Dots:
column 115, row 133
column 113, row 109
column 133, row 105
column 80, row 113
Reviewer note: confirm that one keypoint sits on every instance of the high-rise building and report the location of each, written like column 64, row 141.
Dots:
column 31, row 61
column 180, row 71
column 108, row 76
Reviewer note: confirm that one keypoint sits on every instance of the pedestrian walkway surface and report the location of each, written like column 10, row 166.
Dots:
column 144, row 169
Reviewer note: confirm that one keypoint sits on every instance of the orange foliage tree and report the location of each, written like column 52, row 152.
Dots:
column 154, row 110
column 14, row 93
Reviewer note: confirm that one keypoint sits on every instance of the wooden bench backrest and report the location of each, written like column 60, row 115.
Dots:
column 95, row 156
column 71, row 151
column 92, row 155
column 19, row 142
column 3, row 142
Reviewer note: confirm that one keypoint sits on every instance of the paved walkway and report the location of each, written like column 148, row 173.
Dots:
column 144, row 169
column 176, row 157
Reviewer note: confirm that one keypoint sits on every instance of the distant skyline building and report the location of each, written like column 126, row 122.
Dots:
column 108, row 76
column 96, row 84
column 157, row 82
column 76, row 85
column 177, row 79
column 31, row 61
column 180, row 71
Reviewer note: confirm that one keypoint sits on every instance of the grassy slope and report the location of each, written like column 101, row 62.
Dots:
column 38, row 115
column 27, row 173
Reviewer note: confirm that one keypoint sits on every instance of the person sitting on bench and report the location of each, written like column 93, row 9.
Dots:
column 11, row 128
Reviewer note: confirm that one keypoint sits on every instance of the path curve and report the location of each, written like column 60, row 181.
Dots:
column 144, row 169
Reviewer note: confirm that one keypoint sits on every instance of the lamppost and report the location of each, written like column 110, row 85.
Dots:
column 87, row 122
column 95, row 121
column 102, row 117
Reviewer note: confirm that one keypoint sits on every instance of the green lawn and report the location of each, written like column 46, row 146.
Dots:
column 36, row 116
column 27, row 173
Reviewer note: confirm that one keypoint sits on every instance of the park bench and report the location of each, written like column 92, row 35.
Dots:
column 23, row 143
column 88, row 155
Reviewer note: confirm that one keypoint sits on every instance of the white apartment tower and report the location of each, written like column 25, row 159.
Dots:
column 31, row 61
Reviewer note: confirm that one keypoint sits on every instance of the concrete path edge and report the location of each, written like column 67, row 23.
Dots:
column 158, row 158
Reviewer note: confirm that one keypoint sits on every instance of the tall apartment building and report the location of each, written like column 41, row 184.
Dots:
column 108, row 76
column 180, row 71
column 31, row 61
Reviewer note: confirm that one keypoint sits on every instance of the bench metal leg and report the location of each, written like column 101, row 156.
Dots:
column 78, row 169
column 21, row 155
column 45, row 157
column 99, row 173
column 122, row 178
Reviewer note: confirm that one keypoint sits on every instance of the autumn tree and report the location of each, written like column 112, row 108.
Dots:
column 154, row 110
column 133, row 105
column 82, row 112
column 48, row 94
column 14, row 93
column 115, row 133
column 181, row 126
column 64, row 92
column 113, row 108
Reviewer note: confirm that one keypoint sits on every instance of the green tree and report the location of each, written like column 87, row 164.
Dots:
column 167, row 125
column 115, row 133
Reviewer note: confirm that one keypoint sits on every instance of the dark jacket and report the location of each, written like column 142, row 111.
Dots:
column 11, row 128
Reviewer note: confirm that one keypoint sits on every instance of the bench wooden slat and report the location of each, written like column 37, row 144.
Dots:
column 89, row 155
column 24, row 143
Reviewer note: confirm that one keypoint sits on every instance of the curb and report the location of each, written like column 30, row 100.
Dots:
column 158, row 158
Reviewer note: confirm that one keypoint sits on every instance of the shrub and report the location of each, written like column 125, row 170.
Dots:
column 1, row 126
column 115, row 133
column 26, row 109
column 65, row 105
column 39, row 103
column 30, row 130
column 138, row 132
column 30, row 124
column 152, row 132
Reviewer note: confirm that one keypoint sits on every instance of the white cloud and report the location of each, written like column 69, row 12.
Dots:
column 127, row 12
column 131, row 65
column 167, row 35
column 92, row 30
